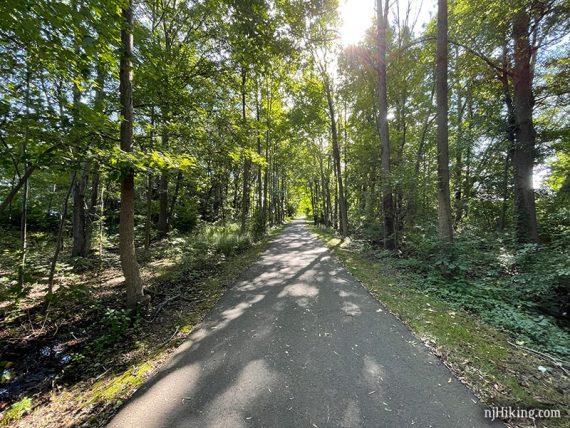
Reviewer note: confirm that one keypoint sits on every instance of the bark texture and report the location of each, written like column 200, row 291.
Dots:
column 127, row 221
column 525, row 135
column 342, row 208
column 443, row 198
column 387, row 194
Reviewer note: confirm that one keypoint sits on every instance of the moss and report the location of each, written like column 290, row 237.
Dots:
column 186, row 329
column 478, row 353
column 121, row 385
column 16, row 411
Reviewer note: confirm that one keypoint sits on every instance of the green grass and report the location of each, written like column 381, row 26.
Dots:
column 479, row 354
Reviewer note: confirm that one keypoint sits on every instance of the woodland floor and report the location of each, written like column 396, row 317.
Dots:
column 75, row 363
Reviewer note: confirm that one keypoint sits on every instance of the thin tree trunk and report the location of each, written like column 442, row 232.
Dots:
column 28, row 171
column 524, row 148
column 387, row 197
column 259, row 169
column 23, row 235
column 236, row 199
column 24, row 213
column 443, row 197
column 510, row 134
column 247, row 159
column 59, row 240
column 266, row 179
column 413, row 204
column 95, row 177
column 459, row 202
column 101, row 225
column 324, row 191
column 174, row 199
column 343, row 214
column 505, row 196
column 92, row 210
column 163, row 202
column 79, row 248
column 148, row 216
column 127, row 221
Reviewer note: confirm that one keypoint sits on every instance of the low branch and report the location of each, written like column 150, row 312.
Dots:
column 557, row 363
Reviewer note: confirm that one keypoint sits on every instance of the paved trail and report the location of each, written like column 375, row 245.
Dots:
column 298, row 342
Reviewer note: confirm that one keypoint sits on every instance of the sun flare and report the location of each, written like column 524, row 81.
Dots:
column 356, row 18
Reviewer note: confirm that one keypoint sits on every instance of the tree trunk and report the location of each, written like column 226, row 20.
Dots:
column 148, row 215
column 95, row 176
column 26, row 184
column 523, row 150
column 459, row 147
column 92, row 210
column 247, row 159
column 101, row 225
column 59, row 240
column 79, row 248
column 343, row 214
column 174, row 199
column 443, row 198
column 510, row 127
column 127, row 250
column 23, row 235
column 324, row 192
column 150, row 177
column 163, row 204
column 387, row 197
column 266, row 180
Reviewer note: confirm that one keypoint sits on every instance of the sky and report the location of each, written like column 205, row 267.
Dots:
column 357, row 16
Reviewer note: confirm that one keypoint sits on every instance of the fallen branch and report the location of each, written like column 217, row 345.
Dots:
column 556, row 362
column 170, row 338
column 161, row 306
column 100, row 376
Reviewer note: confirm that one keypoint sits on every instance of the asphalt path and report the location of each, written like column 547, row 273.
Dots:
column 298, row 342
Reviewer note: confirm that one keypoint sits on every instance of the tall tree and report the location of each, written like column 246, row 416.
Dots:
column 387, row 194
column 127, row 221
column 524, row 147
column 443, row 198
column 342, row 207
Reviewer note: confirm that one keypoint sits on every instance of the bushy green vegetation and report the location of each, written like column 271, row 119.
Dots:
column 522, row 289
column 227, row 240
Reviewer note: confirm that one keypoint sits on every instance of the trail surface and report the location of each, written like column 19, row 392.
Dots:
column 298, row 342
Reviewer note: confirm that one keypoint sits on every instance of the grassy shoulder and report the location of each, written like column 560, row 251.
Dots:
column 110, row 364
column 480, row 355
